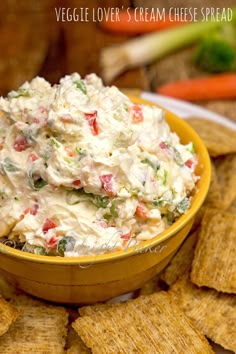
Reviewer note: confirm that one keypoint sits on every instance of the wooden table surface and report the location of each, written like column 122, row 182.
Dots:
column 33, row 42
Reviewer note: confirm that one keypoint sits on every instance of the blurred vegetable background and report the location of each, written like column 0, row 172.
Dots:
column 144, row 55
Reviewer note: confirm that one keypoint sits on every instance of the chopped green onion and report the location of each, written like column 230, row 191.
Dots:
column 161, row 202
column 100, row 202
column 36, row 184
column 78, row 196
column 165, row 200
column 81, row 86
column 82, row 153
column 126, row 107
column 40, row 250
column 177, row 157
column 22, row 92
column 183, row 206
column 40, row 183
column 9, row 165
column 165, row 177
column 192, row 148
column 55, row 142
column 147, row 48
column 113, row 209
column 66, row 244
column 155, row 166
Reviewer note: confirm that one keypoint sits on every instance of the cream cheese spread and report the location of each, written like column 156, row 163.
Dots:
column 84, row 170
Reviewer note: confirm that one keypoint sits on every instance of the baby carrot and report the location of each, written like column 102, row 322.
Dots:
column 132, row 22
column 220, row 86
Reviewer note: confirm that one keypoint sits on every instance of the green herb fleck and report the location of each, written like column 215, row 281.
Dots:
column 160, row 202
column 61, row 247
column 155, row 166
column 9, row 165
column 192, row 148
column 40, row 183
column 81, row 86
column 100, row 202
column 66, row 244
column 22, row 92
column 82, row 153
column 40, row 250
column 165, row 177
column 113, row 209
column 55, row 142
column 165, row 200
column 126, row 108
column 177, row 157
column 17, row 198
column 183, row 206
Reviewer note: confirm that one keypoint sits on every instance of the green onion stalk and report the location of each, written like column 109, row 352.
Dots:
column 145, row 49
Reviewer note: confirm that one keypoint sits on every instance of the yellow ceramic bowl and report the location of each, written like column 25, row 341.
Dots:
column 90, row 279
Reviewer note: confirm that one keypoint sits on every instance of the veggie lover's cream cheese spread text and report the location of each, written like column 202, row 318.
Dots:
column 84, row 171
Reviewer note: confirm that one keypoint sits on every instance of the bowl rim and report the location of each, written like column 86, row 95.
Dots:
column 143, row 246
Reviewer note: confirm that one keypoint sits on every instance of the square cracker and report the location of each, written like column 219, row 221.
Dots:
column 148, row 324
column 40, row 328
column 97, row 308
column 218, row 139
column 226, row 176
column 214, row 196
column 213, row 313
column 214, row 263
column 182, row 260
column 75, row 345
column 8, row 315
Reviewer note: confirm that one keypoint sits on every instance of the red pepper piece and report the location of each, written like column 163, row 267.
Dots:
column 141, row 211
column 77, row 183
column 92, row 121
column 136, row 113
column 163, row 145
column 32, row 157
column 70, row 152
column 52, row 243
column 189, row 163
column 21, row 144
column 33, row 210
column 48, row 224
column 126, row 236
column 42, row 110
column 106, row 181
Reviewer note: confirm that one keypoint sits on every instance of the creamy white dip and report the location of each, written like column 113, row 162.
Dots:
column 84, row 170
